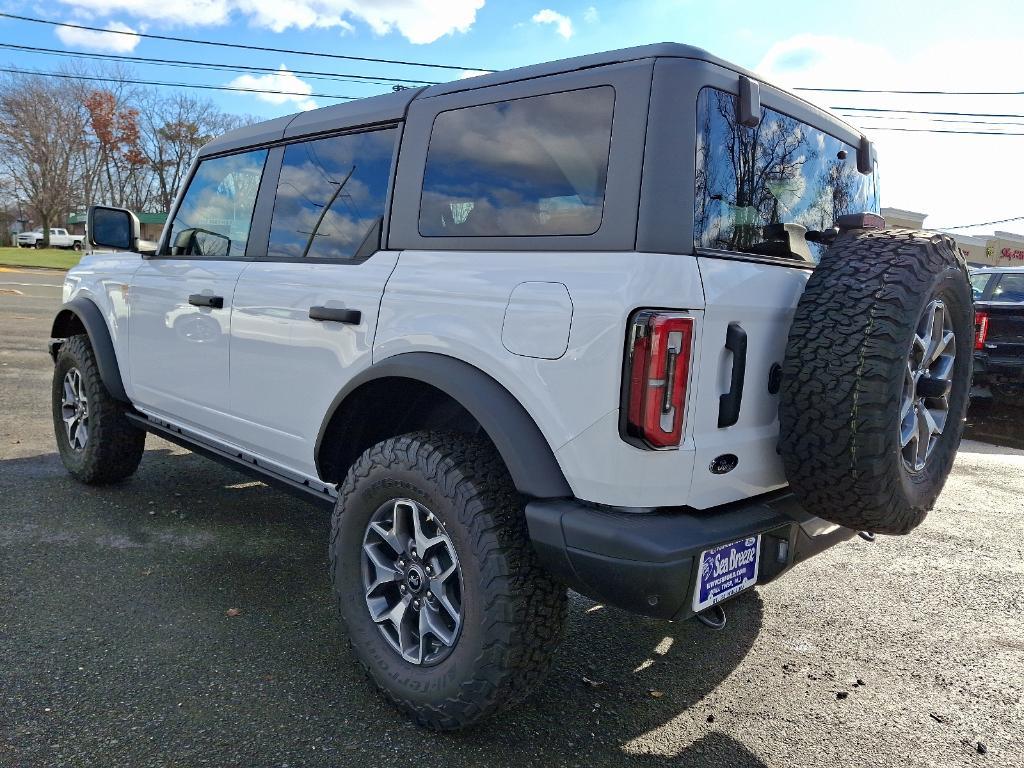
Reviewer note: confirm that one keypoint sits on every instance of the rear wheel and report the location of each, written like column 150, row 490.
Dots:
column 96, row 442
column 436, row 581
column 876, row 379
column 77, row 245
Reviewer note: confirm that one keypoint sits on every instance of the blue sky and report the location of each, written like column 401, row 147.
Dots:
column 909, row 45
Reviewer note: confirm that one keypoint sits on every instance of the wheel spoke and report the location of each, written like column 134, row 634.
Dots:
column 81, row 434
column 384, row 570
column 388, row 537
column 423, row 542
column 431, row 624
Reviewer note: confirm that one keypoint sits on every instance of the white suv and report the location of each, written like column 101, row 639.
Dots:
column 627, row 323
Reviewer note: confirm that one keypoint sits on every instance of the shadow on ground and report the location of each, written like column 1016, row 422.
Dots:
column 118, row 648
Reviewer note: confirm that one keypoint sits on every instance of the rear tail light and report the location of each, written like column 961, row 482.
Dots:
column 980, row 329
column 657, row 365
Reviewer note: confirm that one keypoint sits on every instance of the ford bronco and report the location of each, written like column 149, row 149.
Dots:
column 627, row 323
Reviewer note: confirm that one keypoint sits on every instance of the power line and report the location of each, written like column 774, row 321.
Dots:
column 985, row 223
column 340, row 77
column 242, row 46
column 926, row 119
column 916, row 93
column 67, row 76
column 922, row 112
column 940, row 130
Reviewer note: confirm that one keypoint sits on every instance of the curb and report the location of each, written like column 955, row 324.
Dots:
column 33, row 267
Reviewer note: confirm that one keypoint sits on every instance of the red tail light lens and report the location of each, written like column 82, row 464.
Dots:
column 980, row 329
column 657, row 365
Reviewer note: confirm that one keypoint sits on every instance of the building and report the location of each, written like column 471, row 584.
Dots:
column 151, row 224
column 998, row 249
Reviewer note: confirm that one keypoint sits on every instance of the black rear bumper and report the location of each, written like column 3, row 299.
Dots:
column 645, row 563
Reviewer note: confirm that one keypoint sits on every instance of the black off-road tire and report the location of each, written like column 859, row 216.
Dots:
column 514, row 611
column 114, row 446
column 844, row 372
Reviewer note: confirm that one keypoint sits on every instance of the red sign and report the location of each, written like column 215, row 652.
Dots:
column 1008, row 254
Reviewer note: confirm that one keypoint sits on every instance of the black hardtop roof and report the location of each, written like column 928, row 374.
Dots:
column 391, row 107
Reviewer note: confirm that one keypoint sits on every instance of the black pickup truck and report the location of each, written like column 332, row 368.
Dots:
column 999, row 334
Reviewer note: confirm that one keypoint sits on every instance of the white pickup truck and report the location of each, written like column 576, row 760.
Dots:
column 59, row 238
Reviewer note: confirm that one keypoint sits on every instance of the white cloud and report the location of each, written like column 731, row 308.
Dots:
column 955, row 179
column 100, row 41
column 467, row 73
column 419, row 21
column 591, row 15
column 563, row 24
column 293, row 90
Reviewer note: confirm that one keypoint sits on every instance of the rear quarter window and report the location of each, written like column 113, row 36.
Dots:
column 530, row 166
column 782, row 171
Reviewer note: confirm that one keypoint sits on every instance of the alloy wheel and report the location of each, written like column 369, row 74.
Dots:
column 412, row 581
column 74, row 410
column 924, row 403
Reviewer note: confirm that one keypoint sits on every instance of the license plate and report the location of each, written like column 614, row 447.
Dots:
column 726, row 570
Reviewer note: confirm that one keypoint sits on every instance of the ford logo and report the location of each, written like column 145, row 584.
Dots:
column 725, row 463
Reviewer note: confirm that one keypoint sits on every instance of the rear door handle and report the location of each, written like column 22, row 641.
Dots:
column 205, row 300
column 336, row 315
column 729, row 403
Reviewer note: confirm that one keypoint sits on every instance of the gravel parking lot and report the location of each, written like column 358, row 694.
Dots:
column 120, row 643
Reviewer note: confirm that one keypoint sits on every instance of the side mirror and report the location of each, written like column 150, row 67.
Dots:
column 116, row 228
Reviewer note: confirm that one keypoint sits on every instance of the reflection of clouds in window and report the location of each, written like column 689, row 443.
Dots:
column 510, row 168
column 781, row 171
column 311, row 173
column 220, row 199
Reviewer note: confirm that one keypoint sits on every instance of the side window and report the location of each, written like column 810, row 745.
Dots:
column 215, row 215
column 331, row 196
column 979, row 281
column 751, row 181
column 1009, row 288
column 531, row 166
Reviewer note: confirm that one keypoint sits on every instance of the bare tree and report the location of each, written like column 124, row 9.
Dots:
column 173, row 128
column 41, row 135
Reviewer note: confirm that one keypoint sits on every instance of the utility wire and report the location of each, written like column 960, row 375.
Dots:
column 926, row 119
column 985, row 223
column 941, row 130
column 241, row 46
column 917, row 93
column 67, row 76
column 339, row 76
column 921, row 112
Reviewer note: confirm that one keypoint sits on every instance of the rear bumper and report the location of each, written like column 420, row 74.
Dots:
column 645, row 563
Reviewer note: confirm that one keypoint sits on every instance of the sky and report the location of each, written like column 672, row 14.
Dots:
column 912, row 45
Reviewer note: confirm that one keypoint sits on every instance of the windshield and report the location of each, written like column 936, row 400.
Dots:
column 749, row 180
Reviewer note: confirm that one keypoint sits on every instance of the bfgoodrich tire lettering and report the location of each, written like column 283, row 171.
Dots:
column 846, row 369
column 513, row 611
column 113, row 448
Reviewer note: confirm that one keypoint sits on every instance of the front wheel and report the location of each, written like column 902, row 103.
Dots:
column 38, row 245
column 97, row 443
column 436, row 581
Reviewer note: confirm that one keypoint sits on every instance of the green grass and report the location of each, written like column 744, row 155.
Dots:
column 54, row 258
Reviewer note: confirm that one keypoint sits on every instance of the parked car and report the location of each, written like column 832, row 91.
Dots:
column 999, row 336
column 59, row 238
column 628, row 323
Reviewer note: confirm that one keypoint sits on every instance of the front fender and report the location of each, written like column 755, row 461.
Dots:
column 80, row 313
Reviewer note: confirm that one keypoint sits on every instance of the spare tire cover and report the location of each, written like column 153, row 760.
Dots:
column 876, row 378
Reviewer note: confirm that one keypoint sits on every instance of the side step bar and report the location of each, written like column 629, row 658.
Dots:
column 321, row 494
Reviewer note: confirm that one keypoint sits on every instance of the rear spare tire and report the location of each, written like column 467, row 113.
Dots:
column 876, row 378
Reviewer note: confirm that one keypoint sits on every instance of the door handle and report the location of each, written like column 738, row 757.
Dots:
column 205, row 300
column 729, row 403
column 336, row 315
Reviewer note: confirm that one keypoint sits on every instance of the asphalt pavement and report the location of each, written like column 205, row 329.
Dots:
column 184, row 618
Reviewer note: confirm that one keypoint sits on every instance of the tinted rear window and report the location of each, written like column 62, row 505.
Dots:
column 780, row 172
column 1009, row 288
column 331, row 195
column 532, row 166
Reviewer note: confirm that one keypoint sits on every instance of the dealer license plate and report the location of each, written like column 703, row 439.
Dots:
column 726, row 570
